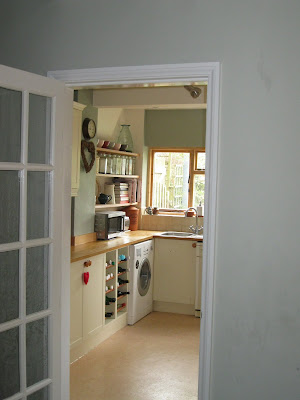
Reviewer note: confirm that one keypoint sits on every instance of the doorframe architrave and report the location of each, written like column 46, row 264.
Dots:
column 178, row 73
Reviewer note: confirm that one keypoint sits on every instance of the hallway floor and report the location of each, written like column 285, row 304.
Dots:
column 155, row 359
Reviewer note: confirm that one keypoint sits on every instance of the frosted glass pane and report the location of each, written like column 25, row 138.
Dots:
column 37, row 351
column 9, row 206
column 39, row 129
column 42, row 394
column 9, row 286
column 37, row 279
column 10, row 125
column 38, row 205
column 9, row 363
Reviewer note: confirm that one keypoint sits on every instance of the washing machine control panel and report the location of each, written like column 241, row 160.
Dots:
column 137, row 264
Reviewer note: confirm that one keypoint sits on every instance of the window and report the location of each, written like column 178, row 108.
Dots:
column 176, row 178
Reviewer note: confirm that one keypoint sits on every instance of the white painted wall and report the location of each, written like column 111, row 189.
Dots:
column 256, row 352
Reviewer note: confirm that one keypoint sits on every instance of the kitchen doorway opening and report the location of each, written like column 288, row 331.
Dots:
column 181, row 74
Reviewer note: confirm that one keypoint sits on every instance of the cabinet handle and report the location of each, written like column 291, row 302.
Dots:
column 194, row 245
column 87, row 263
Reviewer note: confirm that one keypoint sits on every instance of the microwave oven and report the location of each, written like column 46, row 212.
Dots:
column 110, row 224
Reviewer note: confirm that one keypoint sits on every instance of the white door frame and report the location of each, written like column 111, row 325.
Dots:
column 178, row 73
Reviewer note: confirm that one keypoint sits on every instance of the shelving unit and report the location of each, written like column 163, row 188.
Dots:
column 101, row 206
column 117, row 152
column 107, row 176
column 118, row 176
column 118, row 307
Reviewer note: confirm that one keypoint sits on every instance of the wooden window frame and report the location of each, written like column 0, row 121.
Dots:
column 192, row 173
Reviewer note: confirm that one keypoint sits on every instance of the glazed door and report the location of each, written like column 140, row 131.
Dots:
column 34, row 112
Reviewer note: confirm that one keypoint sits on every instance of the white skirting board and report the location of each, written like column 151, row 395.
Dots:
column 177, row 308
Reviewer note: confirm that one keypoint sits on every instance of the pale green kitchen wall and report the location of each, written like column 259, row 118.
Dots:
column 83, row 205
column 256, row 317
column 175, row 128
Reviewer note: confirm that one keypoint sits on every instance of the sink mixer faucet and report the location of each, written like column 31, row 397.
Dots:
column 194, row 229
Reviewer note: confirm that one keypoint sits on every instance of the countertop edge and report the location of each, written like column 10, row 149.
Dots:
column 83, row 251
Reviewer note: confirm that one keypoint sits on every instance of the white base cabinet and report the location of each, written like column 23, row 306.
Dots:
column 88, row 324
column 86, row 299
column 174, row 276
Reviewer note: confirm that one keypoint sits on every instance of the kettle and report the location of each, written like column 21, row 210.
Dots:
column 104, row 198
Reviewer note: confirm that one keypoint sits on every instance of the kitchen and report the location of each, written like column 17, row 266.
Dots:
column 155, row 124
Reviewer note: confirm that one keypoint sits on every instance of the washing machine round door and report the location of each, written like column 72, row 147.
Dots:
column 144, row 277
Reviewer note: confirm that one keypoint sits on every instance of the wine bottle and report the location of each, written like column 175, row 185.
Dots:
column 122, row 293
column 122, row 281
column 109, row 314
column 120, row 269
column 109, row 300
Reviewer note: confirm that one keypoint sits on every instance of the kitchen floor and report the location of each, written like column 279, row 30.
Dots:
column 155, row 359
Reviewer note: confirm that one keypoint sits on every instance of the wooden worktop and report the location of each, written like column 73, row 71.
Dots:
column 82, row 251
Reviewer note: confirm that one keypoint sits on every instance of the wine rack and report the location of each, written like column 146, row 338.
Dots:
column 116, row 284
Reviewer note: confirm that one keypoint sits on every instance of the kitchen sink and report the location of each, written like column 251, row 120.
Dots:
column 177, row 234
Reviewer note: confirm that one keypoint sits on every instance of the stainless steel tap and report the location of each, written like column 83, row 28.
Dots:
column 195, row 229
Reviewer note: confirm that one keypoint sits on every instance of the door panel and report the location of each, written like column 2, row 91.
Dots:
column 10, row 125
column 39, row 121
column 9, row 363
column 9, row 285
column 10, row 206
column 37, row 262
column 35, row 114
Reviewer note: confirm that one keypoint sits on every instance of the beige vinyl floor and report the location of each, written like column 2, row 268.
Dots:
column 155, row 359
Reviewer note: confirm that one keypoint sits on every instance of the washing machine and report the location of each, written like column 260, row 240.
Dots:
column 140, row 301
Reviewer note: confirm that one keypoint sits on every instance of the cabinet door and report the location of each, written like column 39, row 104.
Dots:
column 76, row 141
column 76, row 292
column 174, row 271
column 93, row 296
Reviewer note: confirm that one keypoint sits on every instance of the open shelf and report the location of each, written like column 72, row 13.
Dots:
column 110, row 290
column 121, row 308
column 100, row 206
column 121, row 153
column 122, row 262
column 122, row 273
column 110, row 278
column 109, row 266
column 118, row 176
column 123, row 284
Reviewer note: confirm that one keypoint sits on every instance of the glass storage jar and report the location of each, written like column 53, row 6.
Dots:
column 123, row 165
column 129, row 165
column 103, row 164
column 114, row 164
column 109, row 164
column 119, row 167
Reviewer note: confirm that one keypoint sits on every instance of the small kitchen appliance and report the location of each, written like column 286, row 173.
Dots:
column 109, row 224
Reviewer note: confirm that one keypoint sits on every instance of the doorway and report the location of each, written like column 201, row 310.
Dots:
column 168, row 74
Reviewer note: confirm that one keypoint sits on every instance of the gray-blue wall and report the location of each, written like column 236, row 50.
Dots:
column 256, row 352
